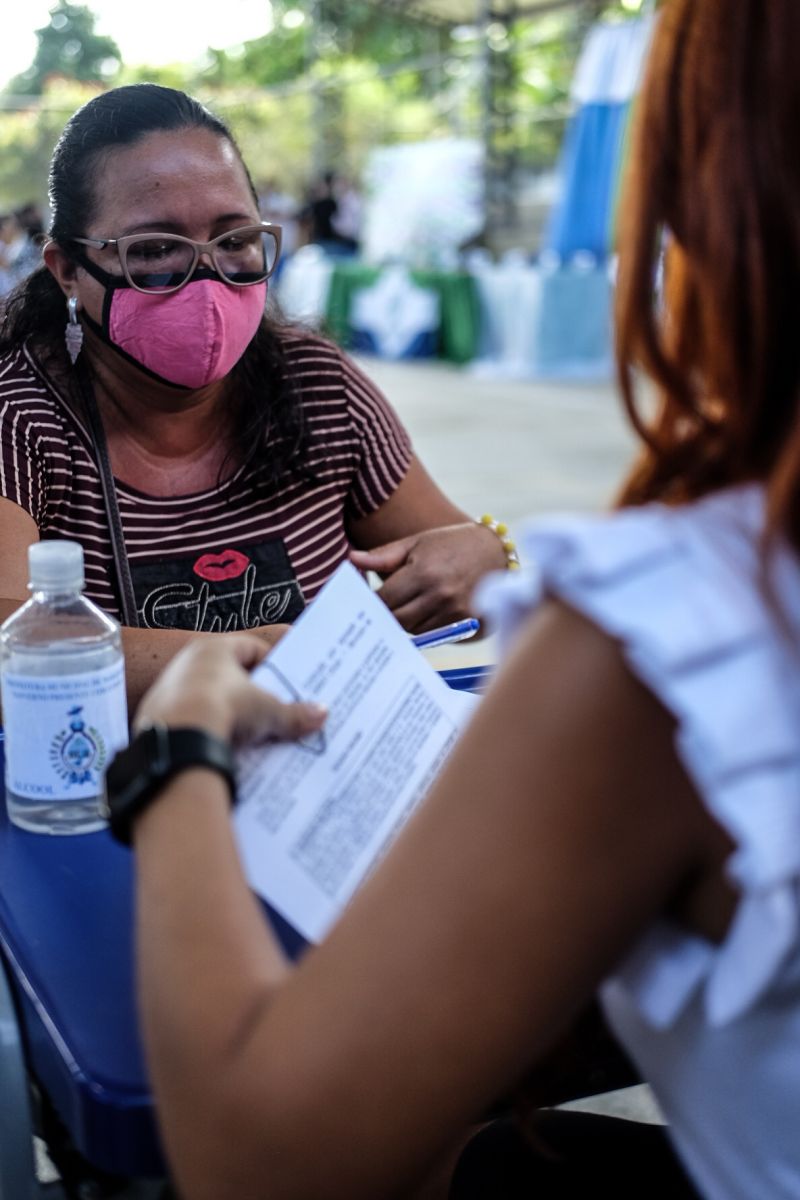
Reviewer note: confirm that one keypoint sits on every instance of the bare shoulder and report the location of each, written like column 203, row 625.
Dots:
column 595, row 751
column 568, row 688
column 578, row 665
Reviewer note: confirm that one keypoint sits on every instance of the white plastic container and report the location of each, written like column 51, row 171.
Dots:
column 62, row 680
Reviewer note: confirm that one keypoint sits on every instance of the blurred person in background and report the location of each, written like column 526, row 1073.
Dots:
column 32, row 222
column 319, row 219
column 12, row 245
column 280, row 208
column 349, row 215
column 21, row 239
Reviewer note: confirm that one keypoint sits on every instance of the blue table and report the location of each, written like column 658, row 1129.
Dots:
column 66, row 932
column 66, row 935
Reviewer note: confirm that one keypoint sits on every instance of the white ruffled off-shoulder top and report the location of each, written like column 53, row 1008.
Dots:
column 712, row 626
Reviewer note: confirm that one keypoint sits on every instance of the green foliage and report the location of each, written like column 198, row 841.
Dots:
column 367, row 77
column 277, row 132
column 345, row 32
column 27, row 139
column 173, row 75
column 274, row 133
column 68, row 46
column 372, row 34
column 263, row 62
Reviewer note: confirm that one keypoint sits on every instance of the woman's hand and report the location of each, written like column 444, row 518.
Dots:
column 429, row 577
column 207, row 686
column 270, row 635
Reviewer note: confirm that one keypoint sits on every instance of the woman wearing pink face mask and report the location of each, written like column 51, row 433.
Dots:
column 216, row 467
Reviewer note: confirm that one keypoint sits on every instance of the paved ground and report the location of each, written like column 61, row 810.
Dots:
column 510, row 447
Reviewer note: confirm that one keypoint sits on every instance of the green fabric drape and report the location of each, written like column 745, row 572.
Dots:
column 459, row 328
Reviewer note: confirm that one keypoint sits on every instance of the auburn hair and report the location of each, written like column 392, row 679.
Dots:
column 713, row 197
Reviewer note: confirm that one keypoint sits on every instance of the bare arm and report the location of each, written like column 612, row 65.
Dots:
column 415, row 505
column 430, row 553
column 561, row 826
column 147, row 651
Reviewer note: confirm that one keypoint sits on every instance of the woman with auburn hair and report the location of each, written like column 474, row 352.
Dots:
column 622, row 818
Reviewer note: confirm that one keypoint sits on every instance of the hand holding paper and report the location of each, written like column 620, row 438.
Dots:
column 315, row 816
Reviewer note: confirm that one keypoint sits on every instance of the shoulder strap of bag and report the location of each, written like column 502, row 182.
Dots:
column 130, row 615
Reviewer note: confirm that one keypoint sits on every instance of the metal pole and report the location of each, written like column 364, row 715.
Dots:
column 313, row 45
column 499, row 158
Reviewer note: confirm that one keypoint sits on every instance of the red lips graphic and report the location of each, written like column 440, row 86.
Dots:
column 227, row 565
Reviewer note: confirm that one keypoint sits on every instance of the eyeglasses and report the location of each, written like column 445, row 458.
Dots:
column 165, row 262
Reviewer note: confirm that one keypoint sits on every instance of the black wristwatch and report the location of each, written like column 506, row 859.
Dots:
column 137, row 774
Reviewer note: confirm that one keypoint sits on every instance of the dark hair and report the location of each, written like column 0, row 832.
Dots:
column 267, row 408
column 714, row 172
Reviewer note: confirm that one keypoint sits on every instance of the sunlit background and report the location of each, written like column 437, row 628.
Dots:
column 149, row 32
column 475, row 154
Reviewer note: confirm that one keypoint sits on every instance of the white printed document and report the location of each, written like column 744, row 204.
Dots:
column 315, row 816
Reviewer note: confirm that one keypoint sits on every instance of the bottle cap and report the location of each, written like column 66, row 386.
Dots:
column 56, row 566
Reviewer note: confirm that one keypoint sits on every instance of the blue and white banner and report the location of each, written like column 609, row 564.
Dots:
column 606, row 80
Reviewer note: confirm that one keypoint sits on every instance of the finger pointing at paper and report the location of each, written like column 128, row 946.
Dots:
column 208, row 687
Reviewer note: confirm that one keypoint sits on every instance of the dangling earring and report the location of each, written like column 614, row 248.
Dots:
column 73, row 335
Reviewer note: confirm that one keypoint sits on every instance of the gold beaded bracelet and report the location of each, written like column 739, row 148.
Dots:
column 501, row 530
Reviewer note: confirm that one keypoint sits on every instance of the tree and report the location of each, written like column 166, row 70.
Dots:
column 344, row 31
column 27, row 139
column 367, row 76
column 68, row 46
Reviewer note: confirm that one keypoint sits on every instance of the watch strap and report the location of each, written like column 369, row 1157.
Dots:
column 137, row 775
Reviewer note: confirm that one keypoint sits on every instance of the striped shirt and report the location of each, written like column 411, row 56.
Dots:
column 233, row 556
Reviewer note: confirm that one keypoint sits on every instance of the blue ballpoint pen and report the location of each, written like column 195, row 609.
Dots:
column 457, row 632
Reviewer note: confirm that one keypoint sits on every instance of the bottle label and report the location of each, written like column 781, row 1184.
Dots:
column 62, row 731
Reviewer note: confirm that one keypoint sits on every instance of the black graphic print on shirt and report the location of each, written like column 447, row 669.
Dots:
column 219, row 591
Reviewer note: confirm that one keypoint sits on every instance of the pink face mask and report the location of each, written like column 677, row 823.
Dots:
column 191, row 337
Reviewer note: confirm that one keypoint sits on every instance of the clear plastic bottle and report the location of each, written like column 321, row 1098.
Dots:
column 62, row 678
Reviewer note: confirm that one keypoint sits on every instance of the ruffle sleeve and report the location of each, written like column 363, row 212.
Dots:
column 683, row 592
